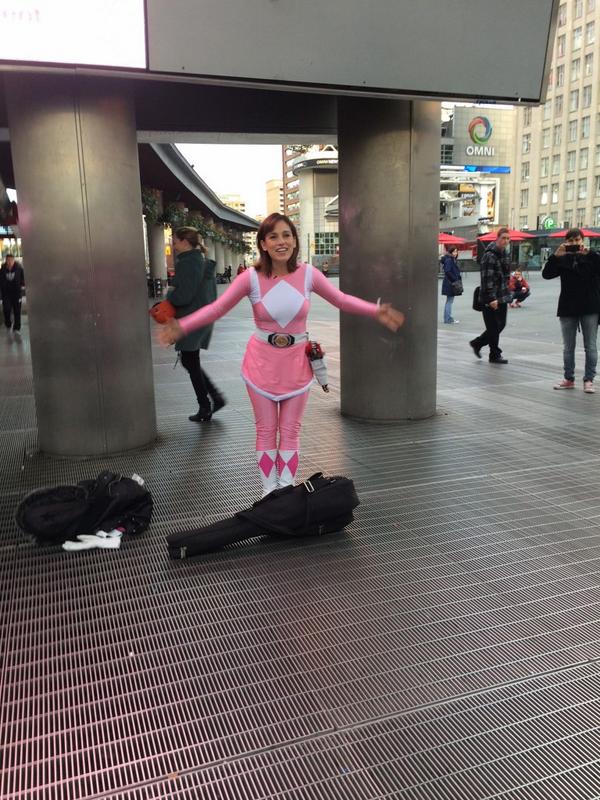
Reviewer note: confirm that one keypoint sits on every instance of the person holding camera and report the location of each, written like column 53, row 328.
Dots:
column 578, row 304
column 494, row 296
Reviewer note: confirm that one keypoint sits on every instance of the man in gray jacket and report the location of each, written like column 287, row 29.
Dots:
column 494, row 295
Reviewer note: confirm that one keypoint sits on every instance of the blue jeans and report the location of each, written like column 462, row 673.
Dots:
column 589, row 328
column 448, row 309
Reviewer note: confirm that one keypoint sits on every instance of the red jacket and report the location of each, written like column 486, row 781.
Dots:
column 516, row 286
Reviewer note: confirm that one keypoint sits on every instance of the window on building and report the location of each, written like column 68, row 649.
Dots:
column 544, row 167
column 597, row 156
column 591, row 5
column 557, row 136
column 562, row 15
column 568, row 217
column 523, row 222
column 544, row 195
column 582, row 189
column 578, row 9
column 585, row 128
column 556, row 165
column 596, row 216
column 570, row 190
column 577, row 37
column 558, row 104
column 546, row 137
column 586, row 97
column 561, row 46
column 526, row 143
column 590, row 33
column 560, row 76
column 525, row 170
column 547, row 110
column 584, row 157
column 524, row 198
column 326, row 243
column 575, row 69
column 573, row 130
column 588, row 65
column 597, row 185
column 447, row 154
column 580, row 218
column 574, row 100
column 571, row 160
column 554, row 192
column 527, row 117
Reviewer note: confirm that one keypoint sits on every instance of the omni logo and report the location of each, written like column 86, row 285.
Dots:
column 480, row 131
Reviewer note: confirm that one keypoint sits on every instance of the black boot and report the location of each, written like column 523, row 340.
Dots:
column 203, row 415
column 218, row 401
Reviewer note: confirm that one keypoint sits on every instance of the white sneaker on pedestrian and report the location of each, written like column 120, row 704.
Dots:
column 588, row 387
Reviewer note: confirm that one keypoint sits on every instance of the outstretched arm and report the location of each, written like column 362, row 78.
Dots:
column 177, row 328
column 387, row 315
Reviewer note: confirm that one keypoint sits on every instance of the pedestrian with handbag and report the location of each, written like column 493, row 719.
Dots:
column 494, row 296
column 452, row 284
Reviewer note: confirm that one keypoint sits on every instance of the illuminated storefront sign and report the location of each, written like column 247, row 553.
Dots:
column 107, row 33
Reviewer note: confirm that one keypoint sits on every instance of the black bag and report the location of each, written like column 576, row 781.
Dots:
column 457, row 287
column 318, row 506
column 107, row 502
column 477, row 304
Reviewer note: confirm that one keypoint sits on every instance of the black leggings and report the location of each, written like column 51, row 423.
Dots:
column 11, row 307
column 203, row 386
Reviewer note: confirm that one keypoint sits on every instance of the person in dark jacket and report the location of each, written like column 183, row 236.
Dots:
column 451, row 274
column 194, row 286
column 12, row 280
column 578, row 304
column 494, row 295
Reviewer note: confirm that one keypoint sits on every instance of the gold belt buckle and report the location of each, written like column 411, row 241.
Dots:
column 281, row 339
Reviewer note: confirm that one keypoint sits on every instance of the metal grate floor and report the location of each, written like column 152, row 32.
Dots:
column 446, row 646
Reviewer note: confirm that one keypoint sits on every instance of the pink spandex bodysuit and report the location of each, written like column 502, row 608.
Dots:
column 277, row 379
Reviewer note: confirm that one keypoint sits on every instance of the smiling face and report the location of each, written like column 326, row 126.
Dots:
column 279, row 243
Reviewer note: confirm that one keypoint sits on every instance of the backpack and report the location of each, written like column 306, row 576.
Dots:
column 107, row 502
column 315, row 507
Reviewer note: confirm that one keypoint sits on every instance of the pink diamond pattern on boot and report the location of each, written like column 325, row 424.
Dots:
column 292, row 464
column 266, row 464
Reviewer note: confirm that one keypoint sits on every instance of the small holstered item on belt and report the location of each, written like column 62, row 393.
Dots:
column 162, row 312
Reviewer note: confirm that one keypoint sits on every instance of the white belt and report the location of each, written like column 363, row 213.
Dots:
column 281, row 339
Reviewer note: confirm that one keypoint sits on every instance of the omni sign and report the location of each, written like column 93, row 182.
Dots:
column 480, row 131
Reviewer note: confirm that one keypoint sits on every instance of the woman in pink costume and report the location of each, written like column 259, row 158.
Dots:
column 276, row 369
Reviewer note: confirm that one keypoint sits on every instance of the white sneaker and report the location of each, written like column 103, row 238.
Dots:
column 588, row 387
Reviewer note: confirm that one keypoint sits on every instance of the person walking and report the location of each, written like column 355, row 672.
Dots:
column 276, row 368
column 452, row 274
column 494, row 296
column 578, row 305
column 194, row 286
column 12, row 280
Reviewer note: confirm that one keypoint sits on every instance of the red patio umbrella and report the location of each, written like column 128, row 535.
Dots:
column 515, row 236
column 585, row 231
column 448, row 238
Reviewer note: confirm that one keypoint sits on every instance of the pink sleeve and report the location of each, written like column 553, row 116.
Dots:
column 345, row 302
column 230, row 298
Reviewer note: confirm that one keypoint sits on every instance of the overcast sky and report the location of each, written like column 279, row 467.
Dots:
column 237, row 169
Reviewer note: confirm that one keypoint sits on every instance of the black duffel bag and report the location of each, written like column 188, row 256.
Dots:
column 107, row 502
column 318, row 506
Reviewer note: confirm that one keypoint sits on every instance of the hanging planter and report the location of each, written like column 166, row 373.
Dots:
column 150, row 205
column 173, row 215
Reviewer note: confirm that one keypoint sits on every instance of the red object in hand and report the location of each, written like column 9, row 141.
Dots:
column 314, row 351
column 162, row 312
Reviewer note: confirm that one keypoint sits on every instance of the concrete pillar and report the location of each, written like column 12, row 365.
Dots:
column 220, row 257
column 389, row 206
column 74, row 151
column 156, row 250
column 210, row 246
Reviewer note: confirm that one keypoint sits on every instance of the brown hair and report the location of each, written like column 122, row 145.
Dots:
column 573, row 233
column 187, row 234
column 264, row 263
column 501, row 231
